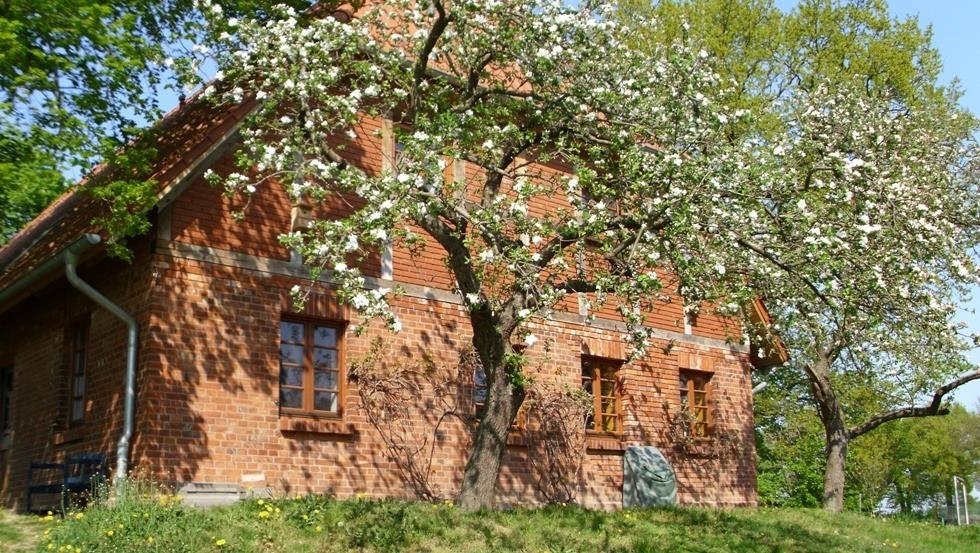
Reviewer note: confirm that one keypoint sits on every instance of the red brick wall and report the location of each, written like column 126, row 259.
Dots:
column 33, row 341
column 208, row 388
column 209, row 412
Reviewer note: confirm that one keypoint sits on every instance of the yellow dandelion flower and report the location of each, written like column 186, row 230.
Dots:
column 149, row 539
column 319, row 528
column 220, row 542
column 263, row 514
column 51, row 546
column 110, row 533
column 79, row 516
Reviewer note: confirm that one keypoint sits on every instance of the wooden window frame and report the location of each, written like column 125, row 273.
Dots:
column 699, row 429
column 80, row 327
column 309, row 325
column 597, row 364
column 6, row 396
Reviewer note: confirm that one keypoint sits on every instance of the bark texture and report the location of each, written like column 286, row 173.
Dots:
column 491, row 339
column 835, row 428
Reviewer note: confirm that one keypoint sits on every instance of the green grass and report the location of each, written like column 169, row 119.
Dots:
column 18, row 533
column 319, row 524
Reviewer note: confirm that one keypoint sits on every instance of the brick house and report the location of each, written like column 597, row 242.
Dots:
column 236, row 389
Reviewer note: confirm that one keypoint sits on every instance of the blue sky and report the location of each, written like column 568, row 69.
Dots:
column 955, row 24
column 956, row 34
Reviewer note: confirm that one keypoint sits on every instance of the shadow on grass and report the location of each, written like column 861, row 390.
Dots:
column 724, row 531
column 567, row 529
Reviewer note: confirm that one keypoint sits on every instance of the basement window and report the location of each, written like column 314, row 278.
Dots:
column 310, row 359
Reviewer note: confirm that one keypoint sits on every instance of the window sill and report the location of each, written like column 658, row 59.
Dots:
column 69, row 436
column 699, row 447
column 314, row 425
column 604, row 441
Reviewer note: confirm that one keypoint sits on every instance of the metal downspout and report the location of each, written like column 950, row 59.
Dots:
column 129, row 398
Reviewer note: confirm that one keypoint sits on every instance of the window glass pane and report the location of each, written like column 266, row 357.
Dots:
column 77, row 410
column 609, row 423
column 291, row 398
column 325, row 358
column 291, row 354
column 325, row 401
column 325, row 336
column 291, row 332
column 479, row 386
column 6, row 388
column 325, row 380
column 79, row 386
column 607, row 387
column 608, row 406
column 291, row 376
column 607, row 372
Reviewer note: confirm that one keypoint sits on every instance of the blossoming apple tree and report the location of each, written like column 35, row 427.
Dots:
column 839, row 61
column 658, row 193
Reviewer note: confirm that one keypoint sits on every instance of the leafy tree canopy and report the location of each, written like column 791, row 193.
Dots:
column 877, row 316
column 81, row 78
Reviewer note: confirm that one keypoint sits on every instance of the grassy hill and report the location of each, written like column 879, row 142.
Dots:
column 318, row 524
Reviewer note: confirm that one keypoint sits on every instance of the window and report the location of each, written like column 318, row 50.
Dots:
column 310, row 357
column 696, row 401
column 480, row 400
column 6, row 391
column 600, row 380
column 479, row 389
column 76, row 371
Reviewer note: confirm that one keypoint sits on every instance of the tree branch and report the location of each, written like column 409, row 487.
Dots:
column 422, row 63
column 933, row 409
column 759, row 250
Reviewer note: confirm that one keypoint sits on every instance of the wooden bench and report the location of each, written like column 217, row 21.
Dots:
column 79, row 473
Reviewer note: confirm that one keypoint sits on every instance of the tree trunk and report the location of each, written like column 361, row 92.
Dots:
column 491, row 340
column 835, row 428
column 833, row 476
column 483, row 467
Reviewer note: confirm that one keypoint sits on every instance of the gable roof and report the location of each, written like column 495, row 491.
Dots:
column 183, row 139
